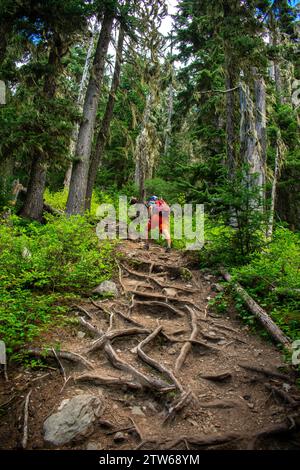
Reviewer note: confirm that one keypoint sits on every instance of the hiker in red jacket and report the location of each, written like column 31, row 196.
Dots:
column 159, row 217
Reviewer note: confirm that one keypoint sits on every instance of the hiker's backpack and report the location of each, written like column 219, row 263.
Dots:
column 161, row 207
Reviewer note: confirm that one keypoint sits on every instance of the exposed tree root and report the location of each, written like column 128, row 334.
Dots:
column 220, row 404
column 128, row 319
column 266, row 372
column 224, row 327
column 120, row 279
column 69, row 356
column 161, row 297
column 86, row 312
column 91, row 328
column 113, row 334
column 173, row 270
column 193, row 342
column 26, row 416
column 144, row 380
column 60, row 365
column 158, row 282
column 156, row 365
column 188, row 345
column 178, row 405
column 224, row 377
column 137, row 429
column 156, row 303
column 282, row 395
column 285, row 427
column 214, row 339
column 207, row 441
column 100, row 307
column 108, row 381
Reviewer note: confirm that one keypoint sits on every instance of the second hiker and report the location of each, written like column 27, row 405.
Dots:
column 158, row 217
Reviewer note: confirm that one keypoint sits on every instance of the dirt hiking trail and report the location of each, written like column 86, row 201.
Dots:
column 170, row 373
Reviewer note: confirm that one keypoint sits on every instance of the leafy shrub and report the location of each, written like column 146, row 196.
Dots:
column 58, row 200
column 42, row 265
column 217, row 249
column 272, row 277
column 168, row 190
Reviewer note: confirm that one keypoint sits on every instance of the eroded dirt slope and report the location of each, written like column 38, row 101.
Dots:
column 173, row 374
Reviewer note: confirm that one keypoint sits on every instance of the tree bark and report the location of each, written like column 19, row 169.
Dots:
column 273, row 193
column 33, row 205
column 78, row 184
column 80, row 101
column 170, row 114
column 104, row 130
column 230, row 84
column 250, row 145
column 261, row 117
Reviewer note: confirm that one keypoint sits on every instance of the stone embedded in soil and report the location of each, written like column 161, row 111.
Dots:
column 75, row 418
column 172, row 351
column 136, row 410
column 106, row 288
column 93, row 446
column 169, row 292
column 81, row 334
column 119, row 437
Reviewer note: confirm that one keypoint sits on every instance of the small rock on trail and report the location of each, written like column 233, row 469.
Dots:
column 74, row 418
column 106, row 288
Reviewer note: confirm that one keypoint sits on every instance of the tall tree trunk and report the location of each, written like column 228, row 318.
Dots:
column 261, row 120
column 78, row 184
column 230, row 121
column 170, row 114
column 143, row 158
column 231, row 77
column 275, row 41
column 33, row 204
column 80, row 101
column 250, row 146
column 273, row 194
column 105, row 125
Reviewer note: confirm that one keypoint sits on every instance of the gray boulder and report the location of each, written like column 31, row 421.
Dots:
column 106, row 287
column 74, row 418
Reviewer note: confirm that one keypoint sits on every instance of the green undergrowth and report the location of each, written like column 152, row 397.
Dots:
column 42, row 268
column 271, row 275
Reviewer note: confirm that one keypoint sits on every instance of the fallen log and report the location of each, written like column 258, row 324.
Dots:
column 273, row 329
